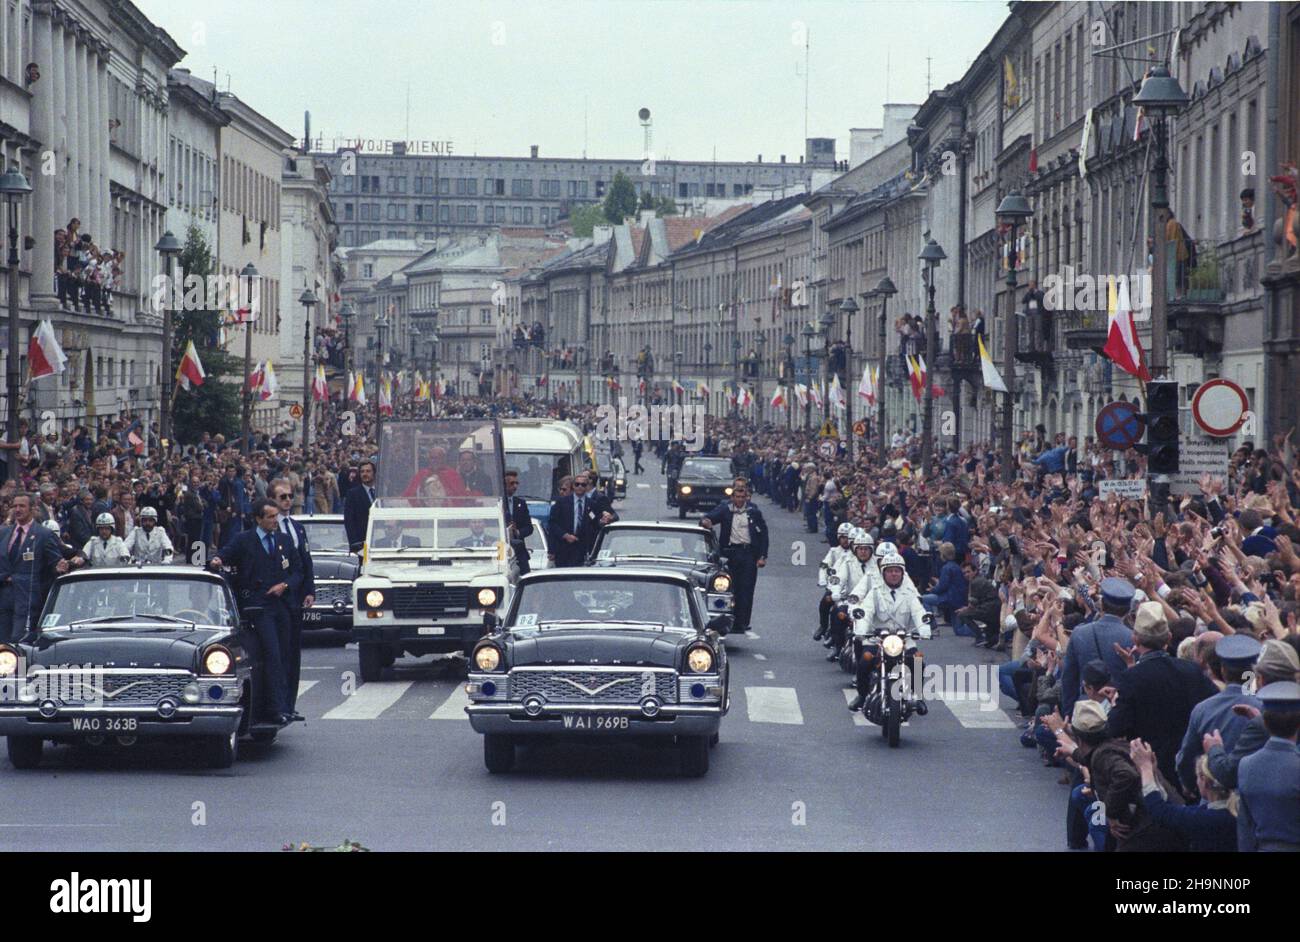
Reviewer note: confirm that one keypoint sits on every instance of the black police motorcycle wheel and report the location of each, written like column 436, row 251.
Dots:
column 893, row 726
column 25, row 751
column 498, row 753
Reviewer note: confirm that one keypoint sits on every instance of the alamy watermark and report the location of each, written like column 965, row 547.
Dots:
column 636, row 422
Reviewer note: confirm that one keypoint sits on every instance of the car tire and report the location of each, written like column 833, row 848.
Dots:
column 713, row 740
column 498, row 753
column 370, row 659
column 25, row 751
column 219, row 751
column 694, row 754
column 681, row 512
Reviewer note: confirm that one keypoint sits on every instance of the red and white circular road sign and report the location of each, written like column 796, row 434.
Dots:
column 1220, row 407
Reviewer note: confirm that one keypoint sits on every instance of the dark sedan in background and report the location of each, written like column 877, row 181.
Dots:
column 335, row 570
column 702, row 484
column 679, row 547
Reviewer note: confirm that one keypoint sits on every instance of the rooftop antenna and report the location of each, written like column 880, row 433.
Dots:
column 408, row 109
column 807, row 59
column 928, row 60
column 586, row 101
column 644, row 115
column 886, row 75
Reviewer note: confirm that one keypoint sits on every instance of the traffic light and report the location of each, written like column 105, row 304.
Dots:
column 1162, row 428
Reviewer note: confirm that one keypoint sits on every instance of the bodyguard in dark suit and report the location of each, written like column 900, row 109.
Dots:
column 30, row 558
column 1157, row 693
column 264, row 558
column 576, row 521
column 356, row 505
column 1096, row 640
column 521, row 521
column 302, row 588
column 743, row 541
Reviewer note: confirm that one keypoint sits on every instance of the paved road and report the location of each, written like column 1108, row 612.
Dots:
column 396, row 766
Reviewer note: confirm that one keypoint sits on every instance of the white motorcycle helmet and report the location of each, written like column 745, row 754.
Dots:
column 893, row 561
column 53, row 526
column 105, row 520
column 862, row 538
column 148, row 513
column 845, row 529
column 883, row 550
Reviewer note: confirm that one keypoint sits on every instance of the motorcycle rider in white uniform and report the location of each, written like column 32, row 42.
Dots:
column 889, row 605
column 873, row 580
column 149, row 543
column 106, row 549
column 849, row 572
column 833, row 555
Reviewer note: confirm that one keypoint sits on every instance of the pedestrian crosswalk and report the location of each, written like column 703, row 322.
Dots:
column 765, row 703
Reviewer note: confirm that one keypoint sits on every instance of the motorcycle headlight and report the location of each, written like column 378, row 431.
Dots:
column 374, row 599
column 854, row 600
column 8, row 662
column 685, row 488
column 892, row 645
column 722, row 582
column 217, row 661
column 487, row 597
column 727, row 491
column 699, row 659
column 487, row 657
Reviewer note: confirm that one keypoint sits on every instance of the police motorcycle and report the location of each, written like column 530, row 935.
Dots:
column 825, row 569
column 886, row 626
column 849, row 573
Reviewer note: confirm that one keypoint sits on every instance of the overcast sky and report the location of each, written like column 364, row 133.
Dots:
column 717, row 75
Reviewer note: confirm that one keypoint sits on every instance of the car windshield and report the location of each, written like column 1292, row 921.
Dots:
column 443, row 463
column 706, row 469
column 535, row 542
column 462, row 532
column 325, row 536
column 606, row 600
column 539, row 474
column 147, row 598
column 681, row 544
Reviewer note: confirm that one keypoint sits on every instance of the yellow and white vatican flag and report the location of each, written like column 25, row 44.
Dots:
column 992, row 378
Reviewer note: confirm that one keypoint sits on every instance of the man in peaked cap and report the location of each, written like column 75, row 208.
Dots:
column 1097, row 640
column 1156, row 695
column 1277, row 662
column 1236, row 655
column 1268, row 816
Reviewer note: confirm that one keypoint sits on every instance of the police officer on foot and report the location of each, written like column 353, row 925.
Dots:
column 1097, row 640
column 302, row 590
column 743, row 540
column 521, row 520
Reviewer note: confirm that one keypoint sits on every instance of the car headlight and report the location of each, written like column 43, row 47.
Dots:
column 374, row 599
column 892, row 645
column 699, row 659
column 487, row 657
column 722, row 582
column 685, row 488
column 727, row 491
column 217, row 661
column 487, row 597
column 8, row 662
column 619, row 482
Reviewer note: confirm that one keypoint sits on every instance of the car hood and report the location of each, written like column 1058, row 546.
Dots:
column 587, row 646
column 459, row 570
column 674, row 564
column 173, row 648
column 335, row 567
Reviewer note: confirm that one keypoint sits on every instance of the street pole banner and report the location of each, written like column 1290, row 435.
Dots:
column 1123, row 488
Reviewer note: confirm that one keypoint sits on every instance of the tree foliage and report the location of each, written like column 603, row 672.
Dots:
column 585, row 218
column 621, row 200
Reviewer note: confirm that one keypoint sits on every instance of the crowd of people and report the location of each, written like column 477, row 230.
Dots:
column 85, row 274
column 1150, row 646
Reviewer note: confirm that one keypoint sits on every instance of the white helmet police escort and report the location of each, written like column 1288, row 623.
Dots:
column 105, row 520
column 148, row 513
column 845, row 529
column 53, row 526
column 886, row 549
column 892, row 568
column 861, row 538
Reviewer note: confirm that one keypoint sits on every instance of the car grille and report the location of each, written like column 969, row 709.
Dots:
column 562, row 686
column 327, row 593
column 112, row 688
column 430, row 601
column 700, row 492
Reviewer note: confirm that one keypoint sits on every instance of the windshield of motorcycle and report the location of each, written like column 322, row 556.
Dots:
column 198, row 600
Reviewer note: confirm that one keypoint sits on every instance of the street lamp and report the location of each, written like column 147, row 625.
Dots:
column 809, row 334
column 170, row 248
column 930, row 256
column 1011, row 214
column 827, row 321
column 249, row 272
column 848, row 307
column 1161, row 97
column 708, row 369
column 308, row 300
column 787, row 379
column 761, row 343
column 13, row 187
column 678, row 356
column 885, row 290
column 381, row 331
column 735, row 383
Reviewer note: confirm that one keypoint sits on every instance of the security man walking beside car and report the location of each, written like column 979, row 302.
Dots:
column 263, row 558
column 521, row 521
column 356, row 506
column 743, row 540
column 576, row 521
column 302, row 592
column 30, row 557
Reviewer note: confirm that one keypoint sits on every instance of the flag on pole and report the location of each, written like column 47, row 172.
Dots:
column 865, row 389
column 914, row 376
column 743, row 398
column 837, row 397
column 358, row 393
column 678, row 389
column 256, row 379
column 44, row 355
column 1122, row 343
column 385, row 395
column 190, row 371
column 270, row 386
column 815, row 390
column 992, row 378
column 610, row 381
column 319, row 387
column 778, row 398
column 702, row 388
column 801, row 394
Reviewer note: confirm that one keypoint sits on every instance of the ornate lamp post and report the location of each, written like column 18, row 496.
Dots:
column 678, row 356
column 308, row 300
column 170, row 248
column 1011, row 214
column 1161, row 97
column 761, row 341
column 708, row 370
column 809, row 334
column 249, row 273
column 885, row 290
column 735, row 382
column 849, row 307
column 13, row 187
column 787, row 379
column 930, row 256
column 828, row 322
column 381, row 331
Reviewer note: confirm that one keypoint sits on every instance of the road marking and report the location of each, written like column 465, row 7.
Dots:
column 858, row 718
column 752, row 635
column 769, row 675
column 973, row 715
column 773, row 705
column 760, row 657
column 305, row 685
column 453, row 708
column 369, row 700
column 318, row 667
column 646, row 486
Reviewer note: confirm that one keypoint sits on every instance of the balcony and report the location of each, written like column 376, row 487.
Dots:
column 1196, row 296
column 1084, row 330
column 1036, row 338
column 963, row 354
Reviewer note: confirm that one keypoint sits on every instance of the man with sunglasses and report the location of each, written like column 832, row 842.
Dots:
column 576, row 521
column 302, row 587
